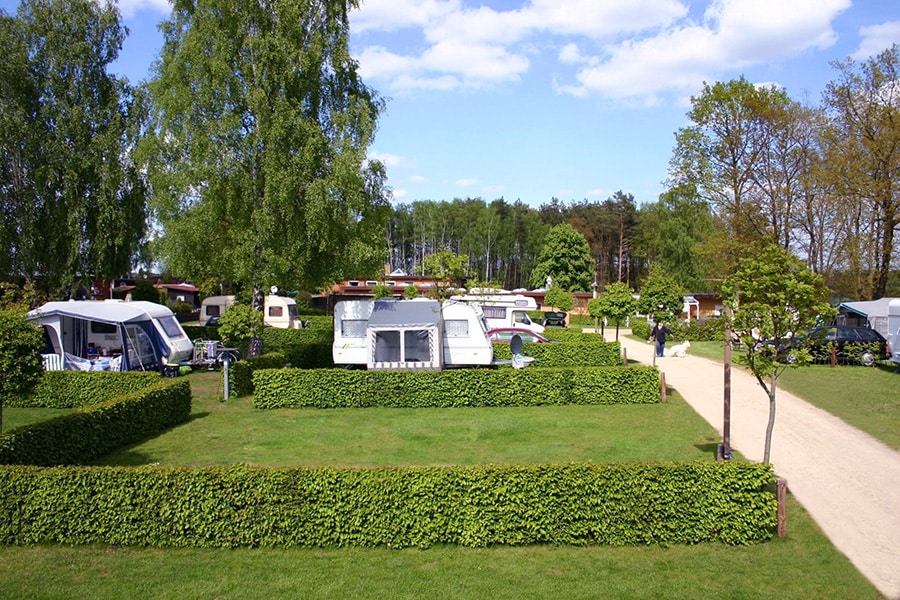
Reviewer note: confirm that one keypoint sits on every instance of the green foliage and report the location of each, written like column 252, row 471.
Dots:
column 144, row 290
column 240, row 323
column 294, row 201
column 613, row 504
column 559, row 299
column 446, row 271
column 566, row 259
column 20, row 355
column 641, row 328
column 410, row 292
column 74, row 389
column 382, row 291
column 774, row 294
column 240, row 373
column 616, row 304
column 661, row 297
column 68, row 183
column 92, row 431
column 533, row 386
column 303, row 348
column 182, row 307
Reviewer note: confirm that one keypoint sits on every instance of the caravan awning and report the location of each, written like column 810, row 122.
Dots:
column 103, row 312
column 867, row 308
column 415, row 313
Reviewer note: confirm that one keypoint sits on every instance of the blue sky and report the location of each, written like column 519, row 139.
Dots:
column 573, row 99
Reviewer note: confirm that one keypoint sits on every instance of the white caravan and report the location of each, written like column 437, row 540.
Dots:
column 214, row 307
column 112, row 335
column 893, row 336
column 409, row 334
column 505, row 310
column 278, row 311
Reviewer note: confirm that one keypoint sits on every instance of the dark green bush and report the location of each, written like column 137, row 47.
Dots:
column 641, row 328
column 614, row 504
column 92, row 431
column 296, row 388
column 240, row 373
column 303, row 348
column 73, row 389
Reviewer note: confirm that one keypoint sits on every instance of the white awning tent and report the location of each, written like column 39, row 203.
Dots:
column 405, row 335
column 870, row 313
column 69, row 325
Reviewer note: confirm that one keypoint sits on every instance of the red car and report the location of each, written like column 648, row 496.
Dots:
column 505, row 334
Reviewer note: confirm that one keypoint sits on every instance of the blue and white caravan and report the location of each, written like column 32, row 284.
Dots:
column 110, row 336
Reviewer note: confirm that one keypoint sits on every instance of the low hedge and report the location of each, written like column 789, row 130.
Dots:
column 93, row 431
column 532, row 386
column 240, row 373
column 571, row 353
column 74, row 389
column 576, row 504
column 574, row 335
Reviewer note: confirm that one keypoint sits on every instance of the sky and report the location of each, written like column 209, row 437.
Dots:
column 530, row 100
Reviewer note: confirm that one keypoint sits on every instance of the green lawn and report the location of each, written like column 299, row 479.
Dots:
column 864, row 397
column 803, row 565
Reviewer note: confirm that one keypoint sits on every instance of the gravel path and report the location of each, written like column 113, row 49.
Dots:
column 847, row 480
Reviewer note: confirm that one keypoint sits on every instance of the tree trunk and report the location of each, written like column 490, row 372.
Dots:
column 771, row 424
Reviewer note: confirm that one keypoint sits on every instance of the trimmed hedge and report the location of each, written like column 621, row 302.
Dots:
column 240, row 373
column 74, row 389
column 532, row 386
column 93, row 431
column 574, row 335
column 572, row 353
column 577, row 504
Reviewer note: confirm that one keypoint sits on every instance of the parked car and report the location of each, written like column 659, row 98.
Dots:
column 505, row 334
column 213, row 321
column 554, row 319
column 852, row 344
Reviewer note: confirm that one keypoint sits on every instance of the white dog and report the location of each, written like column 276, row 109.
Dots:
column 679, row 350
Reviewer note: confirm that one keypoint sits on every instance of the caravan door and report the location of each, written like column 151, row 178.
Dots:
column 351, row 317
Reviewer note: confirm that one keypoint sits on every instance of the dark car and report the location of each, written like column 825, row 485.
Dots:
column 853, row 345
column 213, row 321
column 505, row 334
column 554, row 319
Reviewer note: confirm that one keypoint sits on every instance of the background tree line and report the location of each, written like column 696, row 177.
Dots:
column 241, row 163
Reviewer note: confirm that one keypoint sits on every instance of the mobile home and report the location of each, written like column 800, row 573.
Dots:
column 409, row 334
column 110, row 335
column 278, row 311
column 893, row 326
column 504, row 310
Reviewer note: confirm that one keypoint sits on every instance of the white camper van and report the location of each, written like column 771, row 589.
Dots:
column 278, row 311
column 409, row 334
column 893, row 334
column 112, row 335
column 505, row 310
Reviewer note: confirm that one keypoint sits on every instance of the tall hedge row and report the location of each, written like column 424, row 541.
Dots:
column 74, row 389
column 93, row 431
column 296, row 388
column 570, row 354
column 611, row 504
column 240, row 373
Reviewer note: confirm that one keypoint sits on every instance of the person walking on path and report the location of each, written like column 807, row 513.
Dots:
column 658, row 335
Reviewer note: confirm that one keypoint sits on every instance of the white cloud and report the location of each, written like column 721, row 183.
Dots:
column 466, row 182
column 635, row 51
column 129, row 8
column 418, row 179
column 877, row 38
column 389, row 160
column 399, row 194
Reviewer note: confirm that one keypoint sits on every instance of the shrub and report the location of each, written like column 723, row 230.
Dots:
column 92, row 431
column 20, row 355
column 74, row 389
column 577, row 504
column 299, row 388
column 570, row 354
column 240, row 373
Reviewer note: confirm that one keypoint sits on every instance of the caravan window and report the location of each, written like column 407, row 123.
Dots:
column 170, row 326
column 212, row 310
column 456, row 328
column 494, row 312
column 275, row 311
column 387, row 346
column 140, row 349
column 521, row 317
column 416, row 347
column 354, row 328
column 104, row 328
